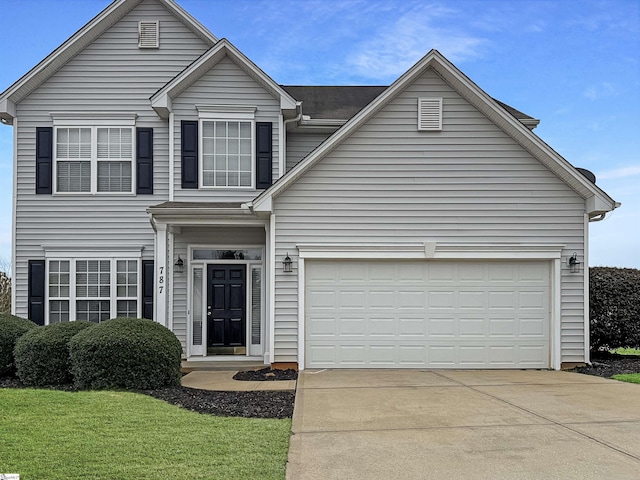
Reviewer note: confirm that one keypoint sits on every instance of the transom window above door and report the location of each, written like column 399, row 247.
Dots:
column 227, row 153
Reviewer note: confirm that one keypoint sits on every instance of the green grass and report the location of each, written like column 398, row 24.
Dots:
column 52, row 435
column 626, row 351
column 628, row 377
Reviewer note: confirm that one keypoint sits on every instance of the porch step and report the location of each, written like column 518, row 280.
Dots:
column 222, row 366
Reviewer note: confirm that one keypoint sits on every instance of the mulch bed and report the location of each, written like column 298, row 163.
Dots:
column 255, row 404
column 605, row 364
column 266, row 374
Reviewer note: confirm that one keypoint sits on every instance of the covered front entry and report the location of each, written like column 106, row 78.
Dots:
column 226, row 309
column 434, row 314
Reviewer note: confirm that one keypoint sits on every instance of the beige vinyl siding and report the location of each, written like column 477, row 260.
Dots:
column 225, row 84
column 300, row 144
column 110, row 75
column 223, row 236
column 469, row 183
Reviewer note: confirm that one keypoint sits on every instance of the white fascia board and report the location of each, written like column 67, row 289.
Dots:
column 162, row 105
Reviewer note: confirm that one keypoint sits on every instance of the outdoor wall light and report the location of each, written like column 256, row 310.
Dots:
column 286, row 264
column 574, row 264
column 179, row 265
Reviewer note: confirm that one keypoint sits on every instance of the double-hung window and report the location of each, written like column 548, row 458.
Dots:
column 93, row 289
column 93, row 158
column 227, row 146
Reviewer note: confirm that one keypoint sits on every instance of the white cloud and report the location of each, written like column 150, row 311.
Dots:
column 601, row 90
column 623, row 172
column 396, row 47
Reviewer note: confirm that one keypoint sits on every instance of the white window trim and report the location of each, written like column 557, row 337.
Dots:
column 113, row 293
column 226, row 113
column 93, row 121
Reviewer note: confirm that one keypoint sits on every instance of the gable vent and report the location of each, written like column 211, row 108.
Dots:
column 430, row 114
column 148, row 34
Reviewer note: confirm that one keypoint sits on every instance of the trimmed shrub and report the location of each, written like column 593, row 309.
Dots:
column 614, row 307
column 42, row 354
column 126, row 353
column 11, row 329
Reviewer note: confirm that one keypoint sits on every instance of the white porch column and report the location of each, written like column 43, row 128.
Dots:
column 160, row 303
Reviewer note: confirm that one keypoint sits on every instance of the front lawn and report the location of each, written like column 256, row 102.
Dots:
column 49, row 434
column 628, row 377
column 626, row 351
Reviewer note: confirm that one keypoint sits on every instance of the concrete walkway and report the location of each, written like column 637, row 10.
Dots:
column 408, row 424
column 223, row 381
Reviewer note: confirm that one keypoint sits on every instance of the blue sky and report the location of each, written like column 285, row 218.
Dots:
column 573, row 64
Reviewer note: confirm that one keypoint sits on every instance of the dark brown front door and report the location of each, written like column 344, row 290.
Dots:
column 226, row 300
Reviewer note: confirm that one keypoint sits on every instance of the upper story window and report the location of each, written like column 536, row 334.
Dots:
column 226, row 153
column 227, row 142
column 93, row 158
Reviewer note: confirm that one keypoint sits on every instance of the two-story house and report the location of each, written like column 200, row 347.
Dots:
column 160, row 173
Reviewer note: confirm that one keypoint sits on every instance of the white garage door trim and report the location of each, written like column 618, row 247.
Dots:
column 439, row 251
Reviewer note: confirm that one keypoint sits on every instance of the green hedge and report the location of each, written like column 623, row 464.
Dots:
column 614, row 307
column 125, row 353
column 42, row 354
column 11, row 329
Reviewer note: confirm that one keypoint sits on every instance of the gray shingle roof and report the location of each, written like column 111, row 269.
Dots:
column 343, row 102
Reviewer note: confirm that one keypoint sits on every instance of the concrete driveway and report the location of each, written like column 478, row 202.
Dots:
column 410, row 424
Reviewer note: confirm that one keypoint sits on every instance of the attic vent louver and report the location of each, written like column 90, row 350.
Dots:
column 430, row 114
column 148, row 34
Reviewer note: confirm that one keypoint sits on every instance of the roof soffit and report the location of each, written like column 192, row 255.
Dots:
column 84, row 37
column 472, row 93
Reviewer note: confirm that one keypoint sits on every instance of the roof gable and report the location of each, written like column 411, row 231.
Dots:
column 598, row 200
column 161, row 100
column 78, row 42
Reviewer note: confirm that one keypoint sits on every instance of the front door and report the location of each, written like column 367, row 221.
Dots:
column 226, row 301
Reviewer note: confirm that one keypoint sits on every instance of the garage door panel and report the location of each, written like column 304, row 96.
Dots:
column 427, row 314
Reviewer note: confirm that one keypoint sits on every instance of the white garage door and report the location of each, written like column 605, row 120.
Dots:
column 396, row 314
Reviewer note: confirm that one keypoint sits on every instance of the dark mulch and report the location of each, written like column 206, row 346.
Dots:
column 268, row 374
column 256, row 404
column 605, row 364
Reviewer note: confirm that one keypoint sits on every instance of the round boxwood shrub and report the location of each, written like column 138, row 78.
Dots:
column 11, row 329
column 42, row 354
column 125, row 353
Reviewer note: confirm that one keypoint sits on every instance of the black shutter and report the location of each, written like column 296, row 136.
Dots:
column 44, row 159
column 189, row 154
column 144, row 161
column 263, row 154
column 147, row 289
column 36, row 291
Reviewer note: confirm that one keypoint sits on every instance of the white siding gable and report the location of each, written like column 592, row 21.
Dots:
column 390, row 183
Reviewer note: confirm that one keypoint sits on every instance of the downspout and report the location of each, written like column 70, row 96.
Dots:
column 283, row 147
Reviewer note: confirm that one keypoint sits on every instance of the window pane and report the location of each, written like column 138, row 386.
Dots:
column 226, row 149
column 114, row 176
column 256, row 305
column 127, row 278
column 115, row 143
column 73, row 176
column 196, row 307
column 127, row 308
column 58, row 280
column 58, row 311
column 93, row 278
column 93, row 310
column 73, row 143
